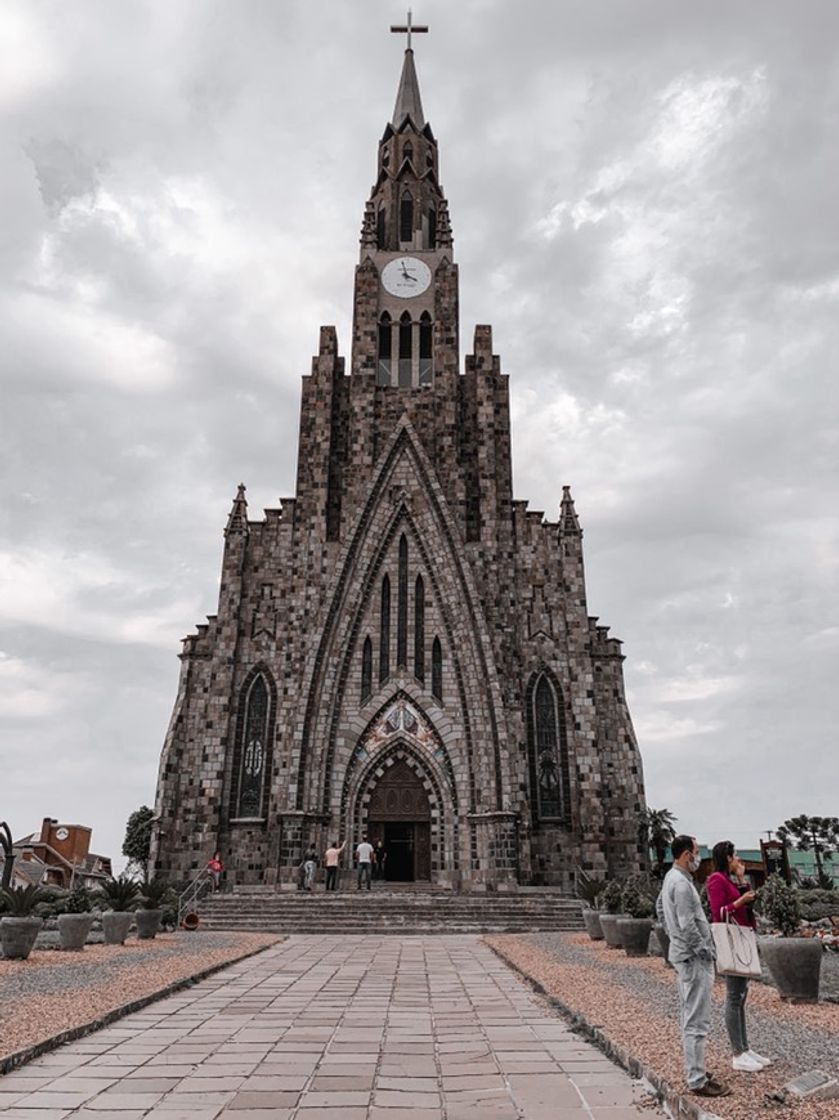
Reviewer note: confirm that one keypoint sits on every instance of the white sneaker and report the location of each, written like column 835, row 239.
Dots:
column 745, row 1063
column 759, row 1058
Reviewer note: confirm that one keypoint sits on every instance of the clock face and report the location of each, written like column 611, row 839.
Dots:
column 61, row 834
column 406, row 277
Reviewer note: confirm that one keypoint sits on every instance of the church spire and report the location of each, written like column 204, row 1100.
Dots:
column 569, row 523
column 408, row 101
column 237, row 522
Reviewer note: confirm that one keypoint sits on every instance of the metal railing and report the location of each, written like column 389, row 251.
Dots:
column 190, row 898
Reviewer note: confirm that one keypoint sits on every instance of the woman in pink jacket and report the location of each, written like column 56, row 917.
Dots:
column 729, row 894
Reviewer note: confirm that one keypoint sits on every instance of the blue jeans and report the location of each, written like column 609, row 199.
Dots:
column 736, row 990
column 695, row 980
column 364, row 873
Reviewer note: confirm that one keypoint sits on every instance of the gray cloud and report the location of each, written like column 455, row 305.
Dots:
column 642, row 202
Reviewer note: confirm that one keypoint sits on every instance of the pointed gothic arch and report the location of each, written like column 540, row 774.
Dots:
column 366, row 670
column 547, row 740
column 253, row 752
column 419, row 629
column 384, row 630
column 402, row 605
column 406, row 217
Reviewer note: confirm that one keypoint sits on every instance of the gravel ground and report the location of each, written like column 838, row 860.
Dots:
column 54, row 991
column 634, row 1002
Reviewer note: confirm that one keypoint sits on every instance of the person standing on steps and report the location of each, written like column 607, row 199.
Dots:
column 330, row 859
column 729, row 894
column 364, row 855
column 379, row 858
column 310, row 866
column 215, row 866
column 692, row 955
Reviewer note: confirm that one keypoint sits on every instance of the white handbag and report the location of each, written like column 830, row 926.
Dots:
column 736, row 946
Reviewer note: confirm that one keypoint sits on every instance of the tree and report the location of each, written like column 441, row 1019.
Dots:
column 656, row 831
column 137, row 842
column 819, row 835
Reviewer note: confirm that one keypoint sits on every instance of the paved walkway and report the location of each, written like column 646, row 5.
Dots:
column 330, row 1028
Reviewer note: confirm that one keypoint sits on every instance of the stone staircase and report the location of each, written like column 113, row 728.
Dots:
column 402, row 911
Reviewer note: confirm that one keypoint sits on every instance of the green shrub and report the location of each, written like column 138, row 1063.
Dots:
column 77, row 901
column 22, row 902
column 611, row 897
column 153, row 895
column 636, row 901
column 119, row 894
column 779, row 904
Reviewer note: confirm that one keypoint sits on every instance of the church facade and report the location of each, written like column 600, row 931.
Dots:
column 403, row 648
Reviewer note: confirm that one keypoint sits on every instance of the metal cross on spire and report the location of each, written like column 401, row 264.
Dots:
column 408, row 29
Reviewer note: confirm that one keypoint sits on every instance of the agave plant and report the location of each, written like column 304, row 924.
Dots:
column 119, row 894
column 20, row 902
column 153, row 894
column 588, row 889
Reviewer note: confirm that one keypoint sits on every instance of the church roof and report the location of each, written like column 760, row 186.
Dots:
column 408, row 100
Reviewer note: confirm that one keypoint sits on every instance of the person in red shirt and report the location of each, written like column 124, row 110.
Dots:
column 729, row 895
column 215, row 867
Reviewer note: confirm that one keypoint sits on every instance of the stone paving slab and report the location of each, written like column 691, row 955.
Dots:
column 388, row 1028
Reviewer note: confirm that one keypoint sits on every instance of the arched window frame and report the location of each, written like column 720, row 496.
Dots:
column 384, row 631
column 406, row 218
column 426, row 348
column 406, row 349
column 402, row 605
column 544, row 742
column 384, row 363
column 254, row 746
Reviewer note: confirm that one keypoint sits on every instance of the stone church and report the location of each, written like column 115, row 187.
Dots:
column 403, row 648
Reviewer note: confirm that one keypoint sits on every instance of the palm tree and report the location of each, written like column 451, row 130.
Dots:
column 656, row 831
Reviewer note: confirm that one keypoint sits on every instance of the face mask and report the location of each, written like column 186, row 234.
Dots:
column 694, row 863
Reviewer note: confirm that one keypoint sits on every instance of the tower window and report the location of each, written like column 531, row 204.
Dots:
column 385, row 351
column 385, row 156
column 408, row 152
column 366, row 669
column 402, row 606
column 406, row 218
column 381, row 229
column 548, row 750
column 384, row 635
column 406, row 349
column 432, row 228
column 425, row 339
column 253, row 750
column 419, row 630
column 437, row 670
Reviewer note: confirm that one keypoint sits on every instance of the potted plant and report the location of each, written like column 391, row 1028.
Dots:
column 794, row 962
column 118, row 895
column 20, row 925
column 149, row 915
column 611, row 900
column 588, row 891
column 74, row 924
column 636, row 926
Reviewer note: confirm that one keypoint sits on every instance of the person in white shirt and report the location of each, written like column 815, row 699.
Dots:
column 364, row 855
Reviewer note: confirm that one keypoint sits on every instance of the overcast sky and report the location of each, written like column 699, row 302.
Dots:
column 643, row 198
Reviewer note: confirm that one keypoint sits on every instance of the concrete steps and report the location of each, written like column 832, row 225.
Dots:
column 402, row 912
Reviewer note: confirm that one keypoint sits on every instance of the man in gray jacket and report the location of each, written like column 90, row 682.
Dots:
column 692, row 955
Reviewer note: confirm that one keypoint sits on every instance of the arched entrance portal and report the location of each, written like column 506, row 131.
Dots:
column 399, row 814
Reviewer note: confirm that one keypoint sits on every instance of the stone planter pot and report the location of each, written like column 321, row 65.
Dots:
column 148, row 923
column 73, row 930
column 611, row 933
column 17, row 936
column 115, row 926
column 591, row 919
column 635, row 935
column 663, row 938
column 794, row 964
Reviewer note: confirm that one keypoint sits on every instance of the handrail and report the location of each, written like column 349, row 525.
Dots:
column 194, row 892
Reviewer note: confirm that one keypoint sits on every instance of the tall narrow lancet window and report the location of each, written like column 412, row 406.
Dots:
column 549, row 760
column 402, row 606
column 419, row 630
column 384, row 632
column 366, row 669
column 381, row 229
column 432, row 228
column 437, row 670
column 425, row 360
column 406, row 218
column 254, row 746
column 406, row 349
column 385, row 362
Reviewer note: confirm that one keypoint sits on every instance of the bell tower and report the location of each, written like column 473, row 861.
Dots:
column 406, row 240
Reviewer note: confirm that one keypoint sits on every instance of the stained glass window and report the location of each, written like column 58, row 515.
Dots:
column 402, row 606
column 419, row 630
column 254, row 747
column 548, row 755
column 384, row 637
column 437, row 669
